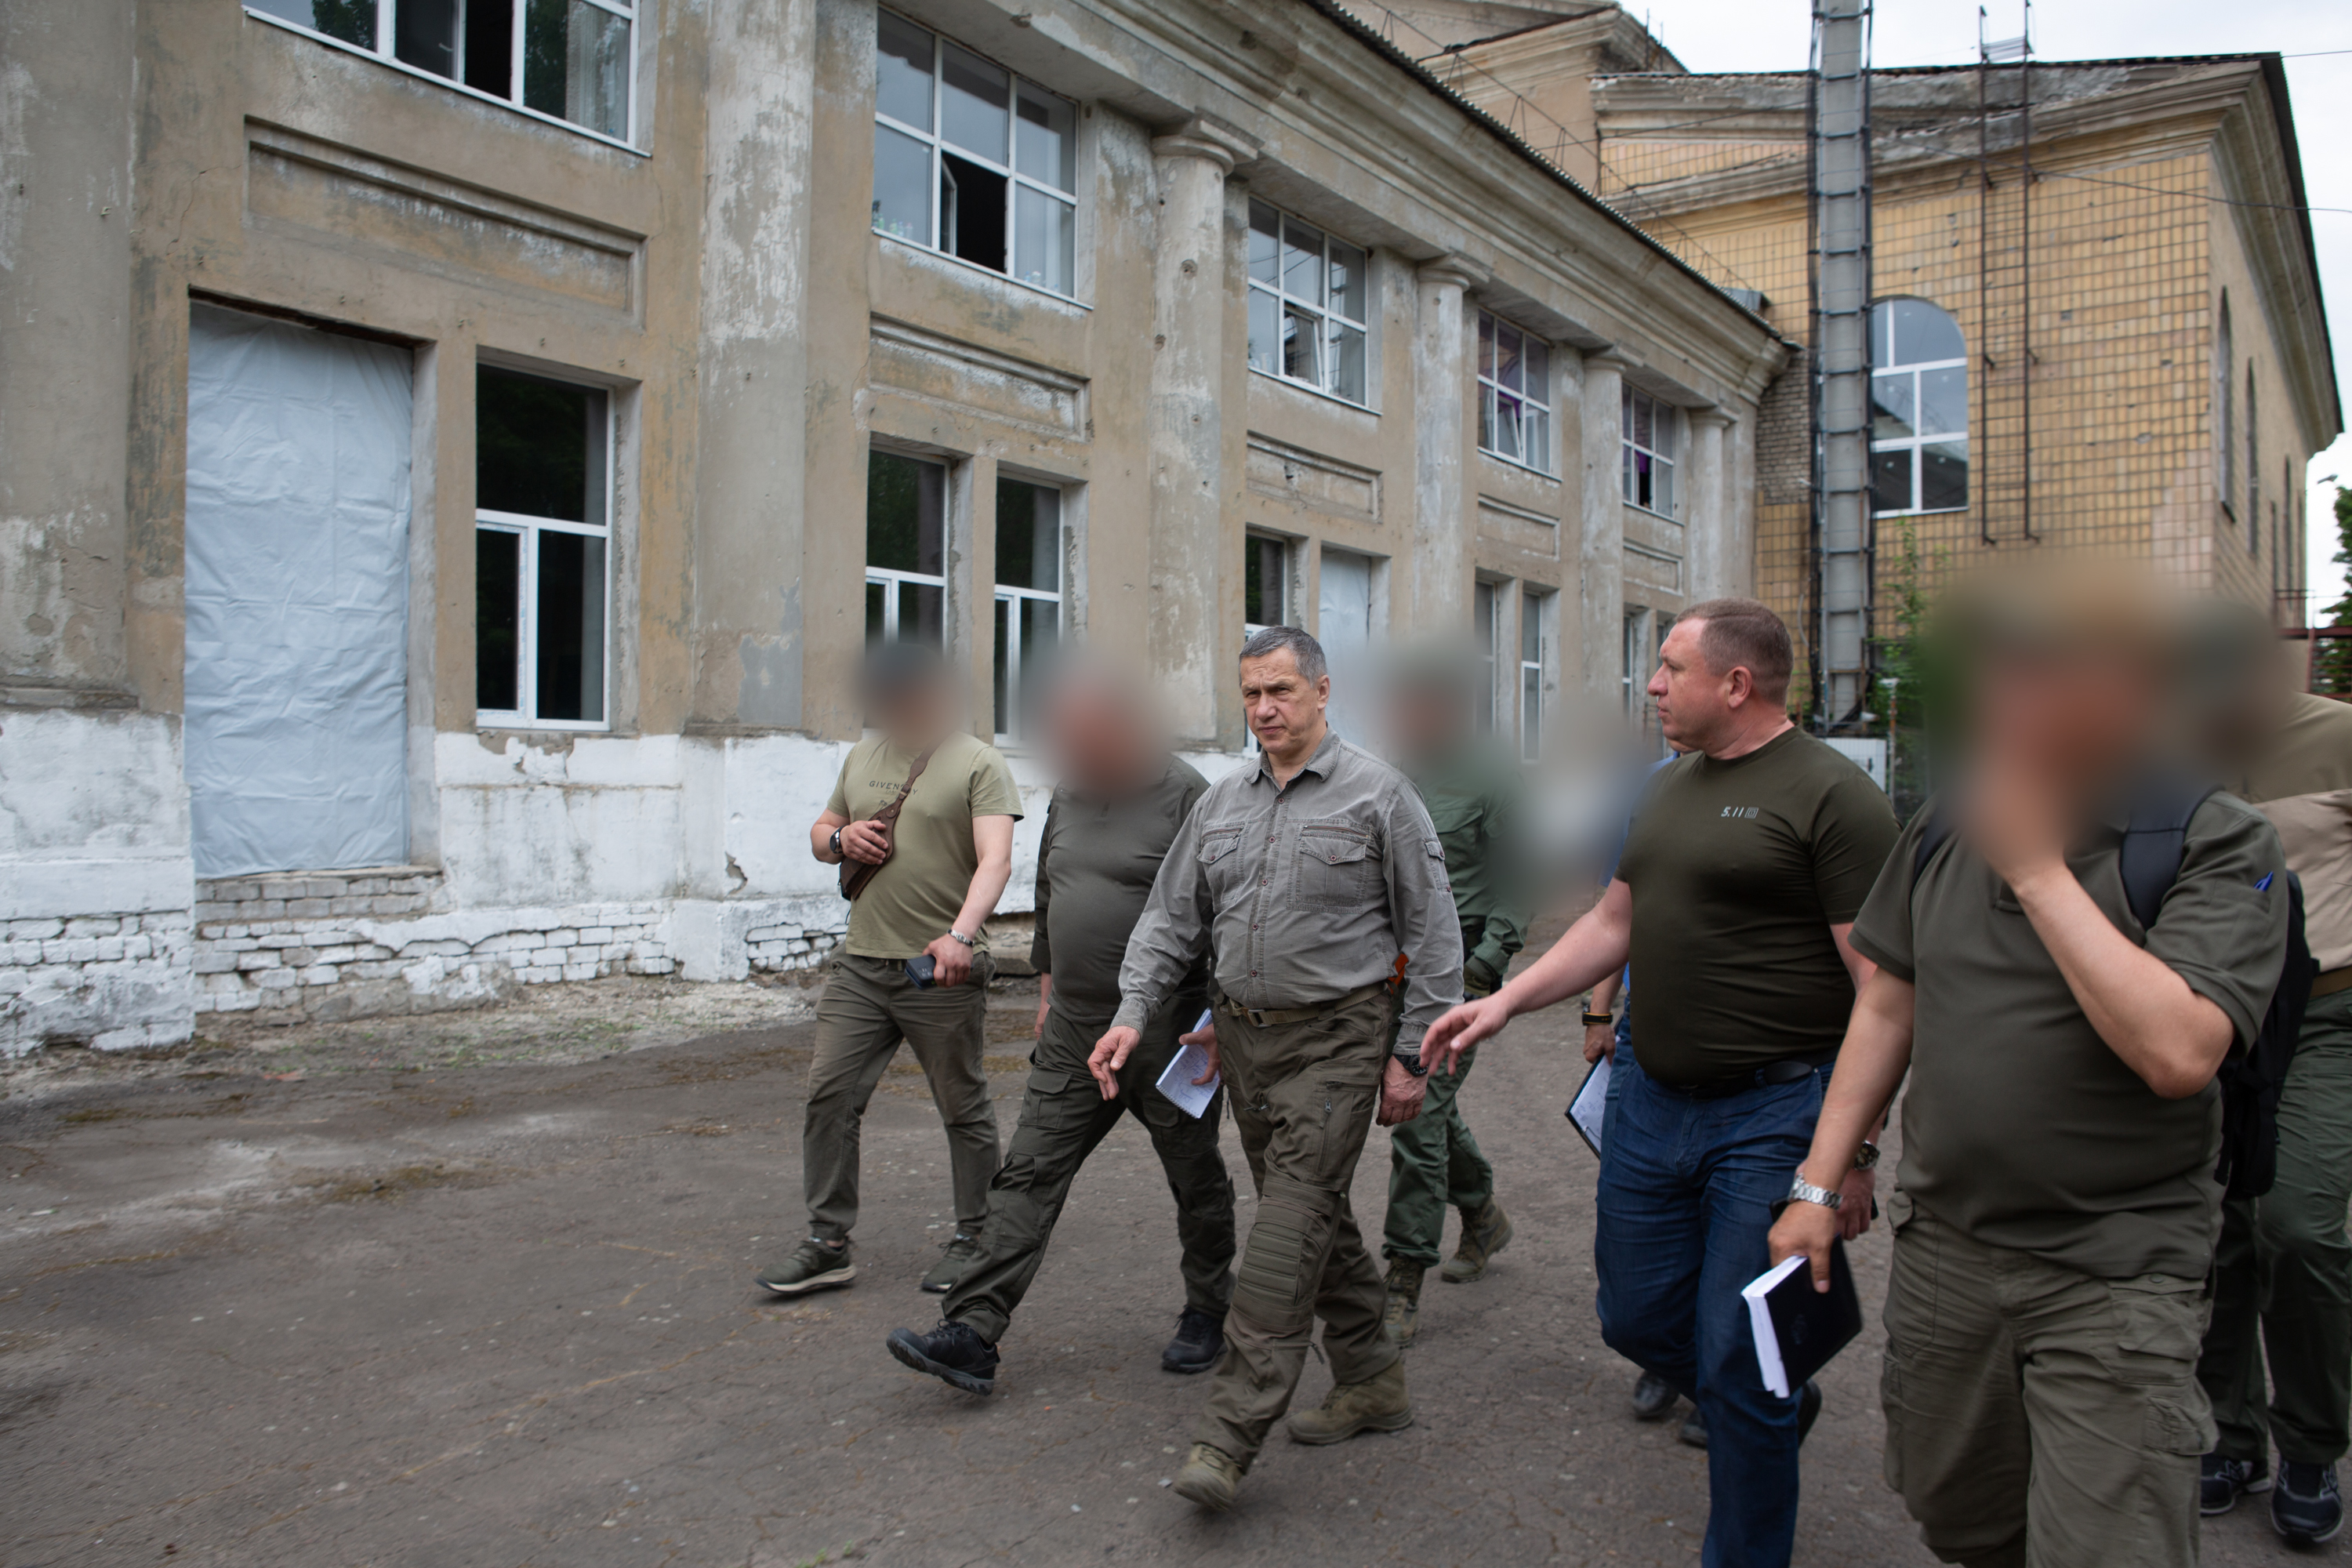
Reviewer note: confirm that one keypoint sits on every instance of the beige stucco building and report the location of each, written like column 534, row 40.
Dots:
column 2105, row 334
column 453, row 455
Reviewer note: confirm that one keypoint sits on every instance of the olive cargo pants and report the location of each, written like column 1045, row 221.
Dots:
column 868, row 1007
column 1063, row 1118
column 2283, row 1274
column 1303, row 1097
column 1434, row 1162
column 2038, row 1416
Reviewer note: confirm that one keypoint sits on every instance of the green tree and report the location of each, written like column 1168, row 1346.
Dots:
column 2331, row 668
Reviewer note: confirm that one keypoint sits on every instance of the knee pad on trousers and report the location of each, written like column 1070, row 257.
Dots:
column 1287, row 1241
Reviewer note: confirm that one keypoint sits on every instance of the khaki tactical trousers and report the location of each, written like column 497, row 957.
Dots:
column 2038, row 1416
column 868, row 1007
column 1303, row 1097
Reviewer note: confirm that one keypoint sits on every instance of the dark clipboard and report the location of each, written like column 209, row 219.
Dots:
column 1590, row 1104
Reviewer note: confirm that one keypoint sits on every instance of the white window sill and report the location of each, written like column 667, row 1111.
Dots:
column 1312, row 390
column 1514, row 463
column 459, row 87
column 1924, row 512
column 492, row 723
column 929, row 253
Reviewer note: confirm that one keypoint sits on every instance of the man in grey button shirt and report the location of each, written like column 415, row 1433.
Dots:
column 1316, row 882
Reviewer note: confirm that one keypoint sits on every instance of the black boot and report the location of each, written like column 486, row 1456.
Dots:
column 952, row 1352
column 1200, row 1340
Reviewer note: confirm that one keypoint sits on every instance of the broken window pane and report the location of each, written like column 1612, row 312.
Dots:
column 902, row 185
column 498, row 619
column 576, row 64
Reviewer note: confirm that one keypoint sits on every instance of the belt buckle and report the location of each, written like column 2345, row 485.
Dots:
column 1256, row 1015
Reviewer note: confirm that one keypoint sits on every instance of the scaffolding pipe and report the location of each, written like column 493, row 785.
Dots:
column 1838, row 158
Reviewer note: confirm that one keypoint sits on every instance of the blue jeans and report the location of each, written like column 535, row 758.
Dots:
column 1684, row 1205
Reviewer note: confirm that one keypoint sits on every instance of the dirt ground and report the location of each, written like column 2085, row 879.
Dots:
column 475, row 1290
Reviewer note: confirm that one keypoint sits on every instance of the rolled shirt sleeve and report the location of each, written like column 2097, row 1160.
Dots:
column 1421, row 910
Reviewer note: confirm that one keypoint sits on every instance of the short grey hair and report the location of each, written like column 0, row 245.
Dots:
column 1304, row 650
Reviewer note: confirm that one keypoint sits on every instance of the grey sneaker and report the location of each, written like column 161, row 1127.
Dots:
column 813, row 1266
column 958, row 1255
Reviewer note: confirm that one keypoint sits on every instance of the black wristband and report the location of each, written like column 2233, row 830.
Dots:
column 1593, row 1019
column 1412, row 1064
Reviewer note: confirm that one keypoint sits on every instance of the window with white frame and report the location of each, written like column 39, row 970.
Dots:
column 542, row 528
column 1531, row 675
column 1028, row 598
column 1308, row 300
column 572, row 61
column 972, row 161
column 1919, row 409
column 1266, row 584
column 1487, row 633
column 1651, row 440
column 1514, row 394
column 906, row 549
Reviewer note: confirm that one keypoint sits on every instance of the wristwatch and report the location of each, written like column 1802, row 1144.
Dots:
column 1802, row 1191
column 967, row 941
column 1592, row 1019
column 1866, row 1157
column 1412, row 1064
column 837, row 846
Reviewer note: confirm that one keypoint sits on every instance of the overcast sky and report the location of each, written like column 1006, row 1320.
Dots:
column 1741, row 35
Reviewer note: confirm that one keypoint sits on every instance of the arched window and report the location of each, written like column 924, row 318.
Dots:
column 2225, row 440
column 1919, row 408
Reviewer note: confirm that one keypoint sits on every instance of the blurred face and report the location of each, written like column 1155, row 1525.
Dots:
column 1285, row 708
column 1426, row 720
column 1694, row 703
column 2071, row 716
column 1098, row 747
column 914, row 715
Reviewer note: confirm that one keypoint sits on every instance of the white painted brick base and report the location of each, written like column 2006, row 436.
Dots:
column 119, row 982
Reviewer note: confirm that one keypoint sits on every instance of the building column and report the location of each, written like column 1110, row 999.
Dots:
column 1601, row 547
column 1442, row 532
column 1188, row 346
column 1710, row 547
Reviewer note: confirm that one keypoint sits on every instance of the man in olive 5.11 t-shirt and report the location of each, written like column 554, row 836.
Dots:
column 941, row 869
column 1747, row 861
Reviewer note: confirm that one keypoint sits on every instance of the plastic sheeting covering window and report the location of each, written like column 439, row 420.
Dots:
column 296, row 598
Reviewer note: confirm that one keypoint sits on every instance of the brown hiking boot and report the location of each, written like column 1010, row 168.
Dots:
column 1210, row 1477
column 1379, row 1404
column 1484, row 1234
column 1403, row 1315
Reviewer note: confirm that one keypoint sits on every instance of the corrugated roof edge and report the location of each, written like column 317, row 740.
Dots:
column 2273, row 71
column 1363, row 31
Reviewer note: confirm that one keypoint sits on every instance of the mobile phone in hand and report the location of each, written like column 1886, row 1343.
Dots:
column 923, row 970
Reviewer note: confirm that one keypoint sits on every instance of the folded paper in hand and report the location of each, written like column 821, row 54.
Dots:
column 1590, row 1107
column 1176, row 1082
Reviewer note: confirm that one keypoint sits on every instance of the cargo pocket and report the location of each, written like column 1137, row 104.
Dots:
column 2159, row 1324
column 1346, row 1108
column 1336, row 863
column 1051, row 1112
column 2180, row 1425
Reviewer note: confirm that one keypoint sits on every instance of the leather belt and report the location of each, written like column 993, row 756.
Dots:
column 2335, row 980
column 1788, row 1070
column 1271, row 1017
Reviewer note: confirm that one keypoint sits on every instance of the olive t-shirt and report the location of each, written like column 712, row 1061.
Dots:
column 1739, row 869
column 917, row 895
column 2020, row 1126
column 1096, row 863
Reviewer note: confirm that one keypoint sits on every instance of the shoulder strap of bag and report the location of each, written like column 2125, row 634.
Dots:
column 2154, row 843
column 857, row 874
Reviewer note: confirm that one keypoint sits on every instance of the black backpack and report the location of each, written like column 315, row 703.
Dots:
column 2252, row 1080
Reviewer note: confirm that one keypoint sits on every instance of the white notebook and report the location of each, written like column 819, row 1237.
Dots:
column 1176, row 1082
column 1759, row 1320
column 1590, row 1106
